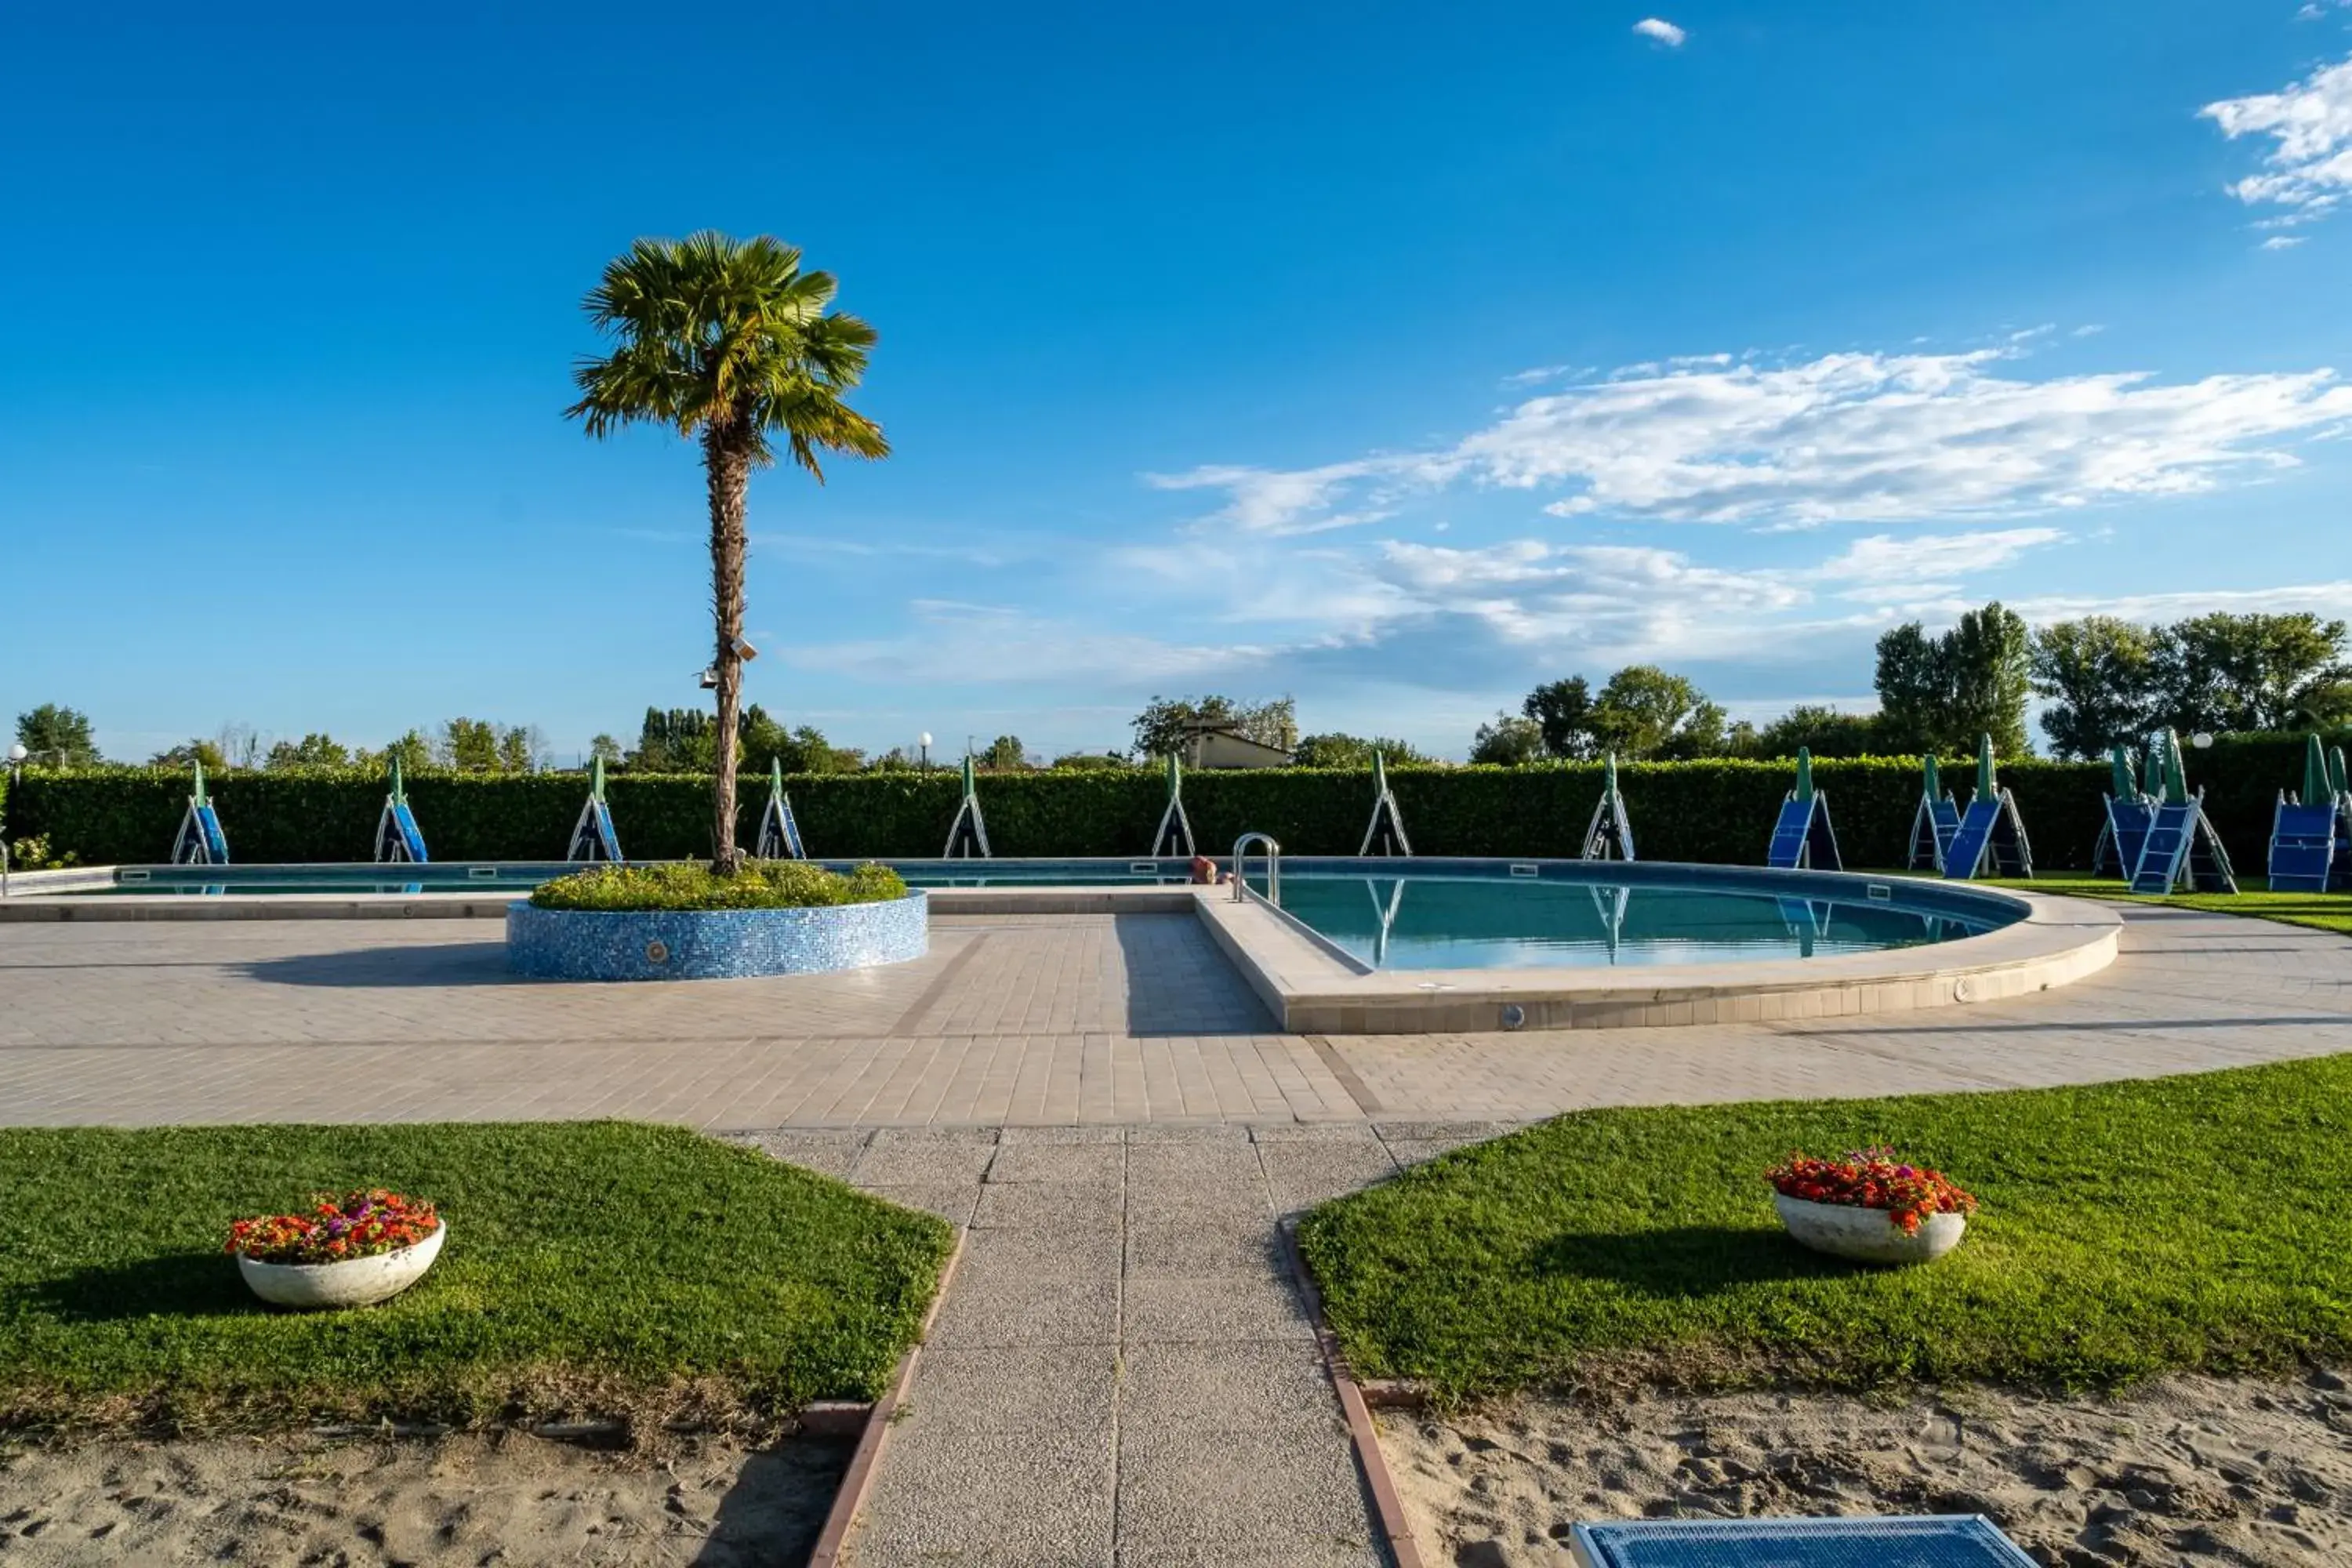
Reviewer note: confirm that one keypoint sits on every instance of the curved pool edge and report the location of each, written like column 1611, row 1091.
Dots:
column 2054, row 941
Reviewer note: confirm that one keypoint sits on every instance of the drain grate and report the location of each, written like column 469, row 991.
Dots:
column 1954, row 1541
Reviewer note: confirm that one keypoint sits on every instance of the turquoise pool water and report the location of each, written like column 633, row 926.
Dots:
column 519, row 877
column 1489, row 923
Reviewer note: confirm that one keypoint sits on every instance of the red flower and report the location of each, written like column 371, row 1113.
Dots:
column 1871, row 1179
column 358, row 1224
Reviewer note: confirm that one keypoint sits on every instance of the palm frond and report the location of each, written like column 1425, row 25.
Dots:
column 710, row 329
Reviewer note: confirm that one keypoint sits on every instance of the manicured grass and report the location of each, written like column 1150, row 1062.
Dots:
column 688, row 885
column 2322, row 911
column 2127, row 1228
column 591, row 1269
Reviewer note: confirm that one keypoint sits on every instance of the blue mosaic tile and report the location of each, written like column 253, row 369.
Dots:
column 713, row 944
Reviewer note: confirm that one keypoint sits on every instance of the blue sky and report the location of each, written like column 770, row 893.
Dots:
column 1392, row 358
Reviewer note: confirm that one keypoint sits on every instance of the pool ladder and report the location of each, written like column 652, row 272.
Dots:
column 1273, row 867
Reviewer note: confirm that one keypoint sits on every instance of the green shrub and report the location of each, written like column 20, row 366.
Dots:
column 689, row 885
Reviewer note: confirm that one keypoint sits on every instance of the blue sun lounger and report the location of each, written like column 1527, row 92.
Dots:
column 1991, row 835
column 1609, row 834
column 2122, row 836
column 593, row 838
column 779, row 830
column 2181, row 844
column 201, row 840
column 2303, row 846
column 1803, row 837
column 397, row 837
column 1931, row 1540
column 2302, row 829
column 1933, row 826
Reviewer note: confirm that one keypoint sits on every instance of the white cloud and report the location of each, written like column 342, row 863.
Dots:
column 1632, row 599
column 2332, row 599
column 963, row 643
column 1926, row 565
column 2283, row 242
column 1270, row 500
column 1663, row 32
column 2308, row 170
column 1847, row 437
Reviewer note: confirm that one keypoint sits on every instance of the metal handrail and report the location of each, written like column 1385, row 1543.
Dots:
column 1273, row 867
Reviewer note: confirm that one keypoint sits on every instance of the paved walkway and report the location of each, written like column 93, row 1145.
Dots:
column 1122, row 1372
column 1109, row 1020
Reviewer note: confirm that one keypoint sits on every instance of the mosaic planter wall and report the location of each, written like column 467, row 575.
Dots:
column 713, row 944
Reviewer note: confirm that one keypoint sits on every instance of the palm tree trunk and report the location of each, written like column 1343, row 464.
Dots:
column 727, row 460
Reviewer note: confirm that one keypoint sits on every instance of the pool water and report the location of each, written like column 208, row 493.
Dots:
column 1439, row 923
column 517, row 879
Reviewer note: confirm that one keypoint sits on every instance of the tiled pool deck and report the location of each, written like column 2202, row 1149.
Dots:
column 1012, row 1019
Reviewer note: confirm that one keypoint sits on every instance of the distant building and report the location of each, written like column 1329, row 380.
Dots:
column 1209, row 744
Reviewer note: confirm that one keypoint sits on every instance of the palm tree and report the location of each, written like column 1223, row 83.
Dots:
column 729, row 342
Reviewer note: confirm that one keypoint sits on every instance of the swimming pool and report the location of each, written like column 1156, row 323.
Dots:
column 517, row 878
column 1440, row 922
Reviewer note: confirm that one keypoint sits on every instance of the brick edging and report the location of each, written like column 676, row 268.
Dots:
column 858, row 1478
column 1388, row 1508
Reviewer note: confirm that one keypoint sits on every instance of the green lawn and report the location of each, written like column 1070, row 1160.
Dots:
column 591, row 1269
column 2192, row 1222
column 2324, row 911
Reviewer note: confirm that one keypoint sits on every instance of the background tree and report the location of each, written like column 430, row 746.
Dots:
column 674, row 741
column 2099, row 673
column 1092, row 761
column 1162, row 728
column 765, row 739
column 729, row 342
column 412, row 750
column 604, row 749
column 1822, row 730
column 313, row 750
column 1509, row 739
column 57, row 737
column 469, row 746
column 1562, row 711
column 522, row 749
column 239, row 745
column 1940, row 693
column 187, row 753
column 1645, row 711
column 1914, row 695
column 1003, row 755
column 2249, row 672
column 1990, row 660
column 1342, row 750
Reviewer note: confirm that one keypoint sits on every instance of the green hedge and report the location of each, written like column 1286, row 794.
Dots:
column 1709, row 811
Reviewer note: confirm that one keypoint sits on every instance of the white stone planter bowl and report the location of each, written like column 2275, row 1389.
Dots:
column 353, row 1282
column 1868, row 1235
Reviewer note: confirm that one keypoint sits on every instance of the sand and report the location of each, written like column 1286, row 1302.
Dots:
column 507, row 1500
column 2185, row 1469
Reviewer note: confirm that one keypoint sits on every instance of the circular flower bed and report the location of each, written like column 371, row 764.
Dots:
column 1871, row 1206
column 351, row 1251
column 682, row 921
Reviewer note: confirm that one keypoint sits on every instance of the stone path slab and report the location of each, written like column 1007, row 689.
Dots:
column 1123, row 1372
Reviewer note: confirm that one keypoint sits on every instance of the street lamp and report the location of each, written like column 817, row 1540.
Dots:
column 923, row 740
column 16, row 755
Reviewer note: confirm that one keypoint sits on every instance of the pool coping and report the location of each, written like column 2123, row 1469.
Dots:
column 2054, row 941
column 50, row 897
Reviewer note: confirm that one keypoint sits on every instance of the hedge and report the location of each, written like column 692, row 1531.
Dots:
column 1714, row 810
